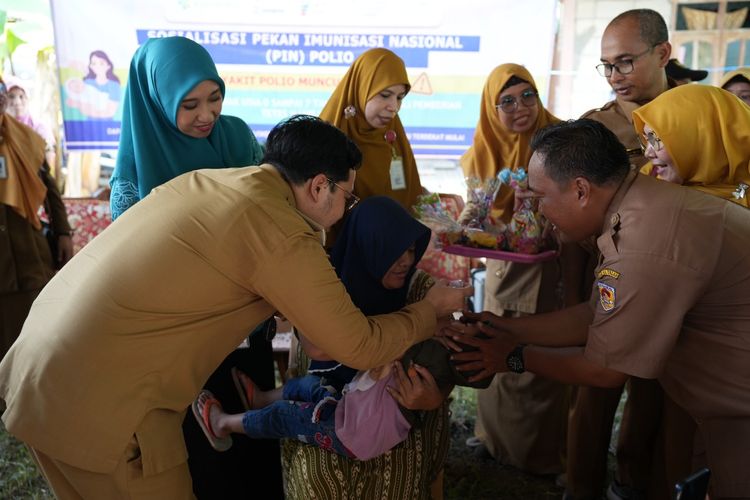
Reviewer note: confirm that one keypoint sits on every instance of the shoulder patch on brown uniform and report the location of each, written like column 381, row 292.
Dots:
column 607, row 296
column 608, row 272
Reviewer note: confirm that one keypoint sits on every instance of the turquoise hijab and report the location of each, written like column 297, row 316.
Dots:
column 152, row 149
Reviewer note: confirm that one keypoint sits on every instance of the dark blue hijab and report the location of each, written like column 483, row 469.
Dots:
column 375, row 234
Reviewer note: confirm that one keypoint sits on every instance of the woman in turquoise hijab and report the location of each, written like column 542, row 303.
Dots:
column 172, row 121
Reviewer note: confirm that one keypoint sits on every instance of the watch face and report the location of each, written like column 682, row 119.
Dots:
column 515, row 360
column 515, row 364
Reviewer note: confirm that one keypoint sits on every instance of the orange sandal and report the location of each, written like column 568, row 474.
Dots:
column 245, row 387
column 203, row 416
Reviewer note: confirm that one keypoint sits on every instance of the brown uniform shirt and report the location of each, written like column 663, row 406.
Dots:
column 618, row 117
column 672, row 301
column 125, row 335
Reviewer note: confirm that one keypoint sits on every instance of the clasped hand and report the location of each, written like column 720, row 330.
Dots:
column 488, row 344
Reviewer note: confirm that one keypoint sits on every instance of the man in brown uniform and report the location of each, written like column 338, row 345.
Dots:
column 123, row 338
column 671, row 298
column 634, row 53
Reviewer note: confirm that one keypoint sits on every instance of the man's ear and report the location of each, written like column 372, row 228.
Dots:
column 664, row 50
column 318, row 185
column 582, row 188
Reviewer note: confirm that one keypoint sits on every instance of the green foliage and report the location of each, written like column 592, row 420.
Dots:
column 464, row 407
column 19, row 477
column 9, row 42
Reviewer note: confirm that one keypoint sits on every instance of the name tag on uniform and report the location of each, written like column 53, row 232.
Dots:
column 3, row 168
column 398, row 180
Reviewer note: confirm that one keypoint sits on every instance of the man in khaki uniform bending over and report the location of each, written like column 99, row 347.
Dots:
column 634, row 53
column 123, row 338
column 671, row 298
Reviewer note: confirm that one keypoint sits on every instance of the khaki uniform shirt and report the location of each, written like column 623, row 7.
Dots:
column 123, row 338
column 672, row 301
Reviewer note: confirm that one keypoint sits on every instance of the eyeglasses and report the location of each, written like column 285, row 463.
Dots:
column 652, row 141
column 624, row 67
column 509, row 104
column 351, row 198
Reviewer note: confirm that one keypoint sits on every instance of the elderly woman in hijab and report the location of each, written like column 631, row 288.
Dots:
column 712, row 154
column 521, row 418
column 18, row 94
column 25, row 255
column 172, row 124
column 172, row 121
column 365, row 106
column 376, row 255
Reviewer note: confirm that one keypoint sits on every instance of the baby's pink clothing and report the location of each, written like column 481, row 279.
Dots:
column 368, row 419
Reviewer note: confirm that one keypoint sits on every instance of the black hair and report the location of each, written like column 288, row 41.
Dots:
column 653, row 28
column 581, row 148
column 513, row 80
column 303, row 146
column 736, row 79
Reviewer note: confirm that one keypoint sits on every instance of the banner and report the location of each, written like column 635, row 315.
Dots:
column 285, row 57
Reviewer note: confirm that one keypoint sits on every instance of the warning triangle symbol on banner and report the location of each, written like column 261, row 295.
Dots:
column 422, row 85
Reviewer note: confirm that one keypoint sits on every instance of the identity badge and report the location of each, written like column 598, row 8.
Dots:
column 3, row 168
column 398, row 180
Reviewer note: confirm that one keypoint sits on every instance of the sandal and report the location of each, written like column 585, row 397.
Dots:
column 204, row 420
column 245, row 387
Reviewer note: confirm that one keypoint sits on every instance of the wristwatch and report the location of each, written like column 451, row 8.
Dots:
column 515, row 359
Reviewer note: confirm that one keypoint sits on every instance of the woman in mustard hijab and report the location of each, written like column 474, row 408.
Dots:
column 698, row 136
column 25, row 257
column 365, row 107
column 521, row 418
column 738, row 83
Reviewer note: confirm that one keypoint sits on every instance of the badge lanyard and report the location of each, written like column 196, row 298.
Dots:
column 398, row 179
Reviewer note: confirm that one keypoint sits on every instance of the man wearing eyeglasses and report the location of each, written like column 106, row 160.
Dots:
column 634, row 52
column 121, row 341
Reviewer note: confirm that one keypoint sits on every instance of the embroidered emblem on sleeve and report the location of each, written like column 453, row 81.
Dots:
column 606, row 296
column 608, row 272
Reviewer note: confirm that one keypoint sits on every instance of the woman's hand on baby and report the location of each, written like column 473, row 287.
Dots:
column 415, row 390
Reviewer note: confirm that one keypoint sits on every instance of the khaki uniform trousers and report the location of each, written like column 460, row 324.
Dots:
column 590, row 428
column 125, row 482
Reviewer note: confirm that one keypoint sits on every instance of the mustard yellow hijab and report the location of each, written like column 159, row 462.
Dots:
column 373, row 71
column 496, row 147
column 743, row 72
column 23, row 189
column 706, row 131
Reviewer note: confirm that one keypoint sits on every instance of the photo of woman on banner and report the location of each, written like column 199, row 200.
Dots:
column 97, row 95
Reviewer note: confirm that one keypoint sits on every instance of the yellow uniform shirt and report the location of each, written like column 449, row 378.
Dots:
column 124, row 337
